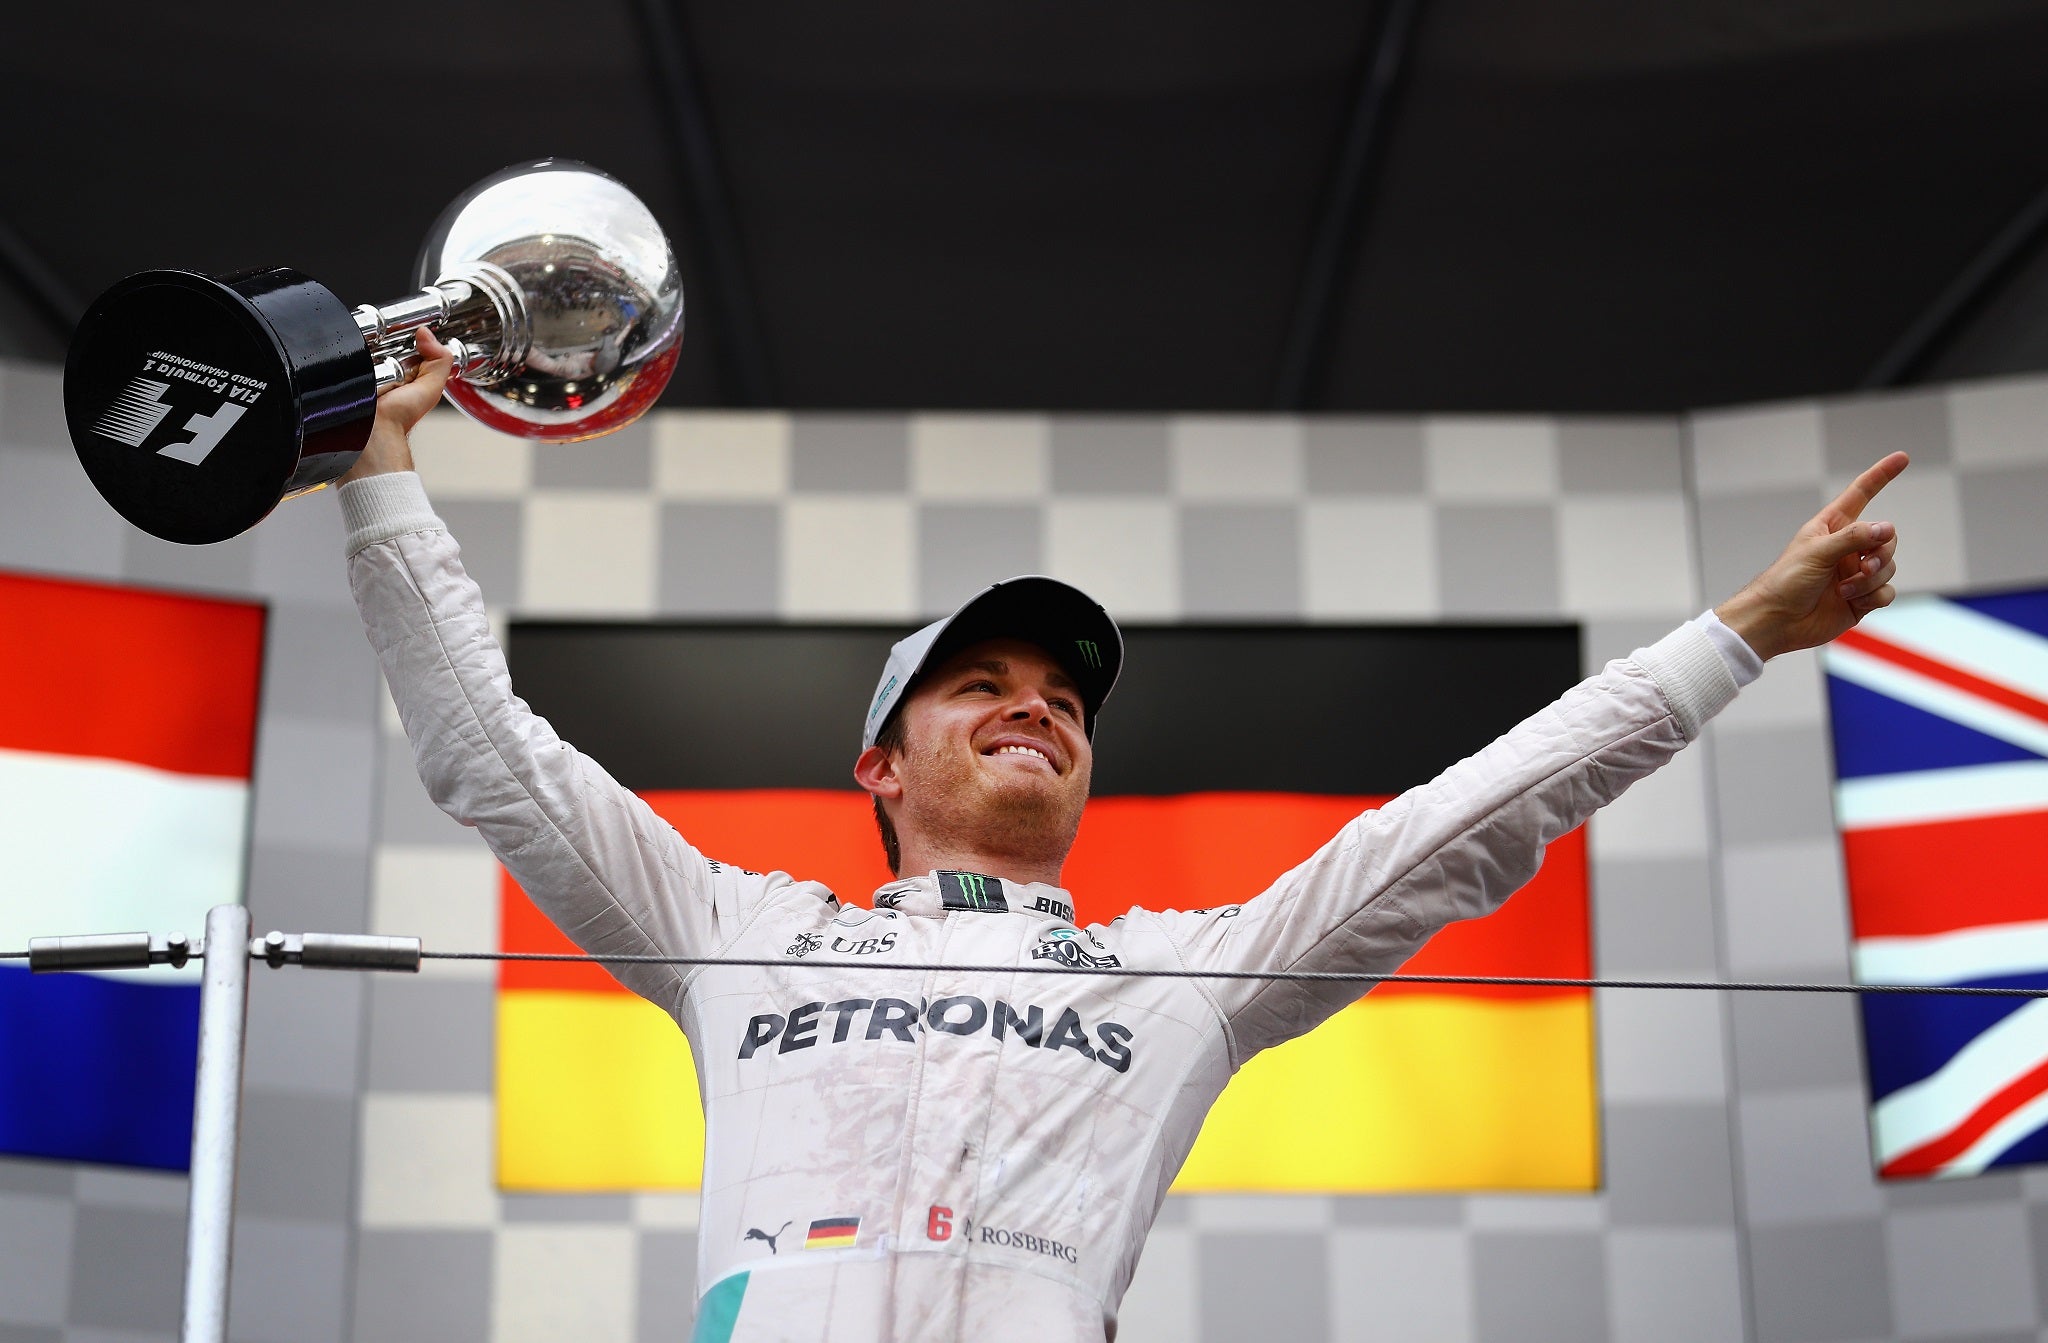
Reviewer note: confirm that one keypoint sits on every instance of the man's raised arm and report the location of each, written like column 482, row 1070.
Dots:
column 610, row 873
column 1456, row 847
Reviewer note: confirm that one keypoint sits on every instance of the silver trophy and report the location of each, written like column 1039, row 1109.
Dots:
column 198, row 404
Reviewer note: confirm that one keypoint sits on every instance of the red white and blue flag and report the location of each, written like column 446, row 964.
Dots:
column 127, row 733
column 1940, row 712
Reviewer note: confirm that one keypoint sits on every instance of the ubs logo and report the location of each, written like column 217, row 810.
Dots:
column 865, row 946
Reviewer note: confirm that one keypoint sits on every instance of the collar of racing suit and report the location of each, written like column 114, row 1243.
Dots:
column 936, row 893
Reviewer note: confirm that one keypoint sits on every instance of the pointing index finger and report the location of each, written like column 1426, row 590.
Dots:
column 1849, row 505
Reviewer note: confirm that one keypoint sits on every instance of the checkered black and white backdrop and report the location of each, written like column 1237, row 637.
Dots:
column 1738, row 1200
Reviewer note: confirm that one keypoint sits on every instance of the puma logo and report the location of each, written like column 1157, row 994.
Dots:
column 756, row 1233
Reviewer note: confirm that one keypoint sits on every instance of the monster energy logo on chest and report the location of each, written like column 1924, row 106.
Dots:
column 971, row 890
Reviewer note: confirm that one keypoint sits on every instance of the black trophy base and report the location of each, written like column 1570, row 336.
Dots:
column 197, row 405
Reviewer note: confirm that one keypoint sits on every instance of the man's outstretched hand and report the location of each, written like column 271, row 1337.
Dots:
column 399, row 409
column 1837, row 570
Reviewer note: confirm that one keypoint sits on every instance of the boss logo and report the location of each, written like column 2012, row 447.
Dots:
column 1059, row 909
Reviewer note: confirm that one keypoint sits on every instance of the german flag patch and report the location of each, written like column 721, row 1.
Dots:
column 832, row 1233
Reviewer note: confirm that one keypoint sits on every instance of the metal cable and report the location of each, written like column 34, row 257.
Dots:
column 1278, row 976
column 1288, row 976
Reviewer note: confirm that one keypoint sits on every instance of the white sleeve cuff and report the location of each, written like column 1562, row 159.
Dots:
column 1692, row 673
column 377, row 508
column 1743, row 663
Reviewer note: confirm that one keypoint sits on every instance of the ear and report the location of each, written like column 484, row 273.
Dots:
column 875, row 771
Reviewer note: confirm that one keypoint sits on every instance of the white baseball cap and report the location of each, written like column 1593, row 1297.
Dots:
column 1060, row 618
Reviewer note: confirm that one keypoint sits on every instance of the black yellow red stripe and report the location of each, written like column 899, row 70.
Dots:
column 1188, row 852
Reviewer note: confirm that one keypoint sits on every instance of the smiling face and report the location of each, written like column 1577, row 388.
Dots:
column 994, row 760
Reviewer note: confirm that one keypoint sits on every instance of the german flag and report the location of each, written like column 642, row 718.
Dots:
column 832, row 1233
column 1226, row 756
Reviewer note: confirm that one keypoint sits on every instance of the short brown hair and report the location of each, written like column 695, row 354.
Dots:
column 891, row 739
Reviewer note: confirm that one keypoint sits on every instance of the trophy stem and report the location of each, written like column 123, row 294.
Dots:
column 479, row 312
column 400, row 366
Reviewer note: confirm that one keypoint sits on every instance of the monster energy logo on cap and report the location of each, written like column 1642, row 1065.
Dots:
column 971, row 890
column 1043, row 611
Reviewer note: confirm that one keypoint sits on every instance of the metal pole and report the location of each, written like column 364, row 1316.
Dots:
column 1310, row 340
column 1991, row 268
column 216, row 1124
column 47, row 293
column 738, row 342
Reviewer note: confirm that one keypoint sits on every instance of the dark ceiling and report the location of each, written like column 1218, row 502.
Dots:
column 1571, row 205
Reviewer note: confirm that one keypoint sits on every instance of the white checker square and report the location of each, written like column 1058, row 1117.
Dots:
column 589, row 552
column 848, row 557
column 1122, row 552
column 427, row 1162
column 1369, row 559
column 1744, row 451
column 446, row 897
column 1626, row 556
column 460, row 459
column 554, row 1282
column 52, row 521
column 1411, row 1283
column 666, row 1212
column 1926, row 506
column 1662, row 816
column 1491, row 459
column 1784, row 907
column 1261, row 1212
column 980, row 456
column 1662, row 1046
column 1235, row 457
column 1535, row 1212
column 1672, row 1285
column 2002, row 423
column 1160, row 1304
column 721, row 455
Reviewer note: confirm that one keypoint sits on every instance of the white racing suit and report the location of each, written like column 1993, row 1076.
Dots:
column 940, row 1155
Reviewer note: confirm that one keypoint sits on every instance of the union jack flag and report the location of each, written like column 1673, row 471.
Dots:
column 1940, row 714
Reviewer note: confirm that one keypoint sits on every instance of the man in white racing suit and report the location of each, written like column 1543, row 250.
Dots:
column 978, row 1154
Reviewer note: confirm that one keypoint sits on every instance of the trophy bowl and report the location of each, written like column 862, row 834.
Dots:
column 198, row 404
column 602, row 309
